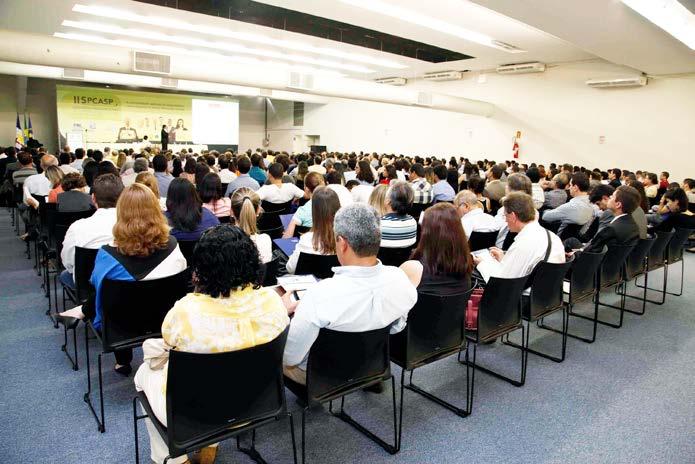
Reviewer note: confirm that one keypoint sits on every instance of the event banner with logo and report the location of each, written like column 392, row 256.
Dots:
column 125, row 116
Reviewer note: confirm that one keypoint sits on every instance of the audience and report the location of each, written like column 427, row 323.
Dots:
column 578, row 210
column 334, row 181
column 246, row 207
column 363, row 295
column 212, row 196
column 442, row 190
column 442, row 263
column 185, row 213
column 189, row 170
column 473, row 218
column 142, row 249
column 302, row 217
column 495, row 188
column 377, row 199
column 557, row 196
column 226, row 312
column 278, row 192
column 55, row 176
column 243, row 180
column 139, row 165
column 678, row 217
column 320, row 240
column 651, row 185
column 257, row 173
column 73, row 199
column 398, row 228
column 421, row 188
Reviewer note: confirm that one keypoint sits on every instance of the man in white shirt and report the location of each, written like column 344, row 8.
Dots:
column 226, row 176
column 316, row 167
column 278, row 192
column 473, row 218
column 530, row 245
column 94, row 231
column 344, row 195
column 363, row 295
column 38, row 184
column 79, row 158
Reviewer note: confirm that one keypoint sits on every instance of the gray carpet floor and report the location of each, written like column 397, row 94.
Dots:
column 628, row 398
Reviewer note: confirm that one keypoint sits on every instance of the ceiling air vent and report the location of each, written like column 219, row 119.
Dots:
column 301, row 81
column 151, row 63
column 169, row 82
column 521, row 68
column 424, row 99
column 73, row 73
column 443, row 76
column 392, row 81
column 636, row 81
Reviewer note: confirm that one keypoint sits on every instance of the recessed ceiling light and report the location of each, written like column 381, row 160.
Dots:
column 669, row 15
column 429, row 22
column 173, row 24
column 221, row 46
column 197, row 53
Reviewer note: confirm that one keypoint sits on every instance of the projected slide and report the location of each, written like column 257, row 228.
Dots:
column 109, row 116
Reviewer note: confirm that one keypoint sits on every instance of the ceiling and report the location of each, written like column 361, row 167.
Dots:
column 579, row 30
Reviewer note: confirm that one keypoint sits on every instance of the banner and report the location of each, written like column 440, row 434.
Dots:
column 126, row 116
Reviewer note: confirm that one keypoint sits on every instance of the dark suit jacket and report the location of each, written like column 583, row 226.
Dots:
column 74, row 201
column 622, row 231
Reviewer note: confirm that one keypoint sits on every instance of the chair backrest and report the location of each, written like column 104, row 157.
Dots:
column 571, row 230
column 551, row 226
column 199, row 410
column 674, row 251
column 338, row 361
column 62, row 223
column 300, row 230
column 319, row 265
column 187, row 247
column 508, row 240
column 482, row 240
column 435, row 325
column 657, row 254
column 500, row 306
column 494, row 206
column 133, row 311
column 269, row 222
column 416, row 209
column 583, row 274
column 224, row 219
column 45, row 222
column 84, row 265
column 636, row 260
column 394, row 256
column 269, row 272
column 613, row 264
column 546, row 288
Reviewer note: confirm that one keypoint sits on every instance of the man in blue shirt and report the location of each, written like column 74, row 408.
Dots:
column 244, row 180
column 257, row 173
column 159, row 163
column 441, row 190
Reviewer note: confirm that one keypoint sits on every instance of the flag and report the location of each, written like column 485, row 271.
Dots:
column 19, row 137
column 30, row 131
column 26, row 129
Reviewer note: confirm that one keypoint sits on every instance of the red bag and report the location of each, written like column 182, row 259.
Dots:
column 472, row 310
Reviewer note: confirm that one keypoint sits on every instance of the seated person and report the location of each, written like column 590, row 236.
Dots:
column 74, row 199
column 688, row 187
column 277, row 191
column 678, row 217
column 148, row 180
column 578, row 210
column 599, row 197
column 470, row 210
column 212, row 196
column 302, row 217
column 320, row 240
column 55, row 177
column 442, row 190
column 94, row 231
column 442, row 263
column 421, row 188
column 622, row 230
column 531, row 245
column 334, row 181
column 377, row 199
column 246, row 207
column 161, row 168
column 495, row 188
column 226, row 312
column 142, row 249
column 477, row 185
column 363, row 295
column 187, row 217
column 651, row 185
column 557, row 196
column 243, row 164
column 398, row 228
column 536, row 190
column 257, row 172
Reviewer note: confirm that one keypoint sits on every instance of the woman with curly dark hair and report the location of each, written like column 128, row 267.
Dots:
column 227, row 312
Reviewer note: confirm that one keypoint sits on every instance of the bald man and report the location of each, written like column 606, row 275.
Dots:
column 38, row 184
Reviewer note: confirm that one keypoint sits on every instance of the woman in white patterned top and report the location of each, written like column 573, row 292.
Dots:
column 227, row 312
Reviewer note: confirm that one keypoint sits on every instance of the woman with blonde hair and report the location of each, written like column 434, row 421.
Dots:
column 377, row 199
column 320, row 240
column 149, row 180
column 55, row 176
column 246, row 207
column 142, row 249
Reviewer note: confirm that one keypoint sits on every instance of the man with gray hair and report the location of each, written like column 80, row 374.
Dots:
column 139, row 165
column 515, row 183
column 363, row 294
column 473, row 218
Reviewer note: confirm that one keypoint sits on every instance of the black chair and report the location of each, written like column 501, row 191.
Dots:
column 394, row 256
column 673, row 253
column 435, row 330
column 41, row 200
column 269, row 222
column 551, row 226
column 499, row 313
column 202, row 413
column 416, row 209
column 187, row 247
column 494, row 206
column 300, row 230
column 582, row 285
column 590, row 232
column 224, row 219
column 611, row 275
column 546, row 298
column 269, row 272
column 635, row 266
column 508, row 240
column 320, row 266
column 83, row 291
column 482, row 240
column 570, row 230
column 341, row 363
column 131, row 312
column 47, row 216
column 656, row 259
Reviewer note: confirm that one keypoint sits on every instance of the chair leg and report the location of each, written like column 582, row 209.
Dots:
column 251, row 451
column 643, row 298
column 562, row 332
column 64, row 348
column 597, row 303
column 522, row 376
column 294, row 441
column 342, row 415
column 662, row 290
column 304, row 434
column 136, row 418
column 87, row 396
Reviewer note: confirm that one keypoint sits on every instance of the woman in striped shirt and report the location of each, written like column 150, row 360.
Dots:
column 398, row 228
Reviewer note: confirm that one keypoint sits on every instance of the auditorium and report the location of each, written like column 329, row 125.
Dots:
column 347, row 231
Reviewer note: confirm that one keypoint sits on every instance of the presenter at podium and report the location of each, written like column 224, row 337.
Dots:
column 164, row 138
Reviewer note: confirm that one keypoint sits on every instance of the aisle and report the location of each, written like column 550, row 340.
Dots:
column 629, row 397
